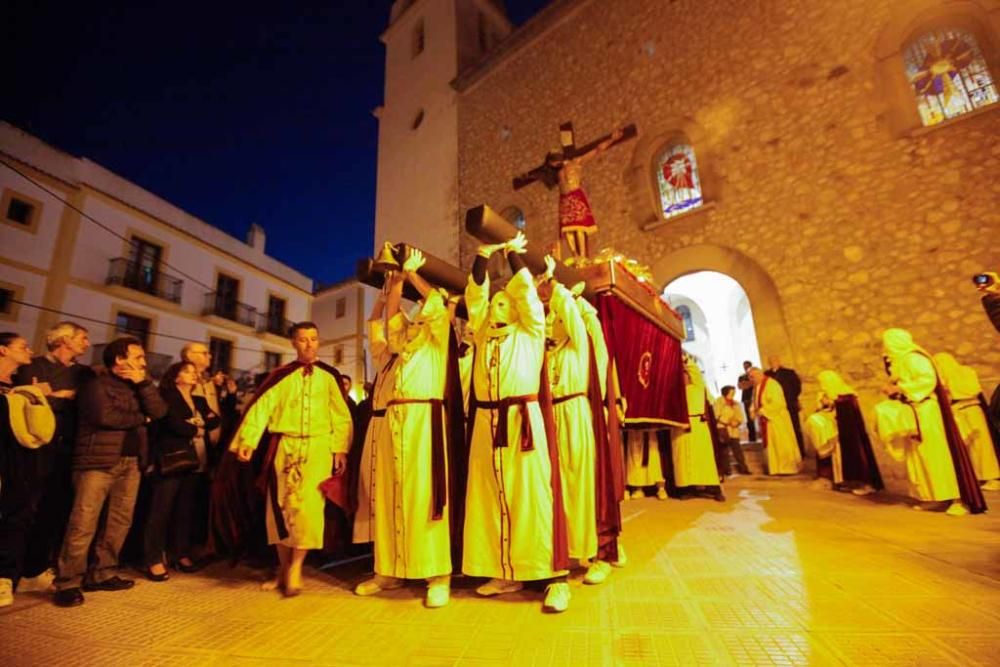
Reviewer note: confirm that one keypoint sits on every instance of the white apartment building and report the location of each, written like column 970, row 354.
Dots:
column 341, row 313
column 78, row 242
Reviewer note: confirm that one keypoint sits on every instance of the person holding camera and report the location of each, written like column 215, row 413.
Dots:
column 988, row 284
column 180, row 458
column 110, row 451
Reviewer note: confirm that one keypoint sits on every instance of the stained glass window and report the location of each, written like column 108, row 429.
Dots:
column 677, row 176
column 948, row 74
column 685, row 314
column 514, row 216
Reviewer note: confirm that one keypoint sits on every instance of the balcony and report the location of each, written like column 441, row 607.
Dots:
column 223, row 306
column 146, row 279
column 273, row 324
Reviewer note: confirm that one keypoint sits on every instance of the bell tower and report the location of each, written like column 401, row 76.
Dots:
column 428, row 43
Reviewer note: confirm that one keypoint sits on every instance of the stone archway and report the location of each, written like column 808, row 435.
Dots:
column 768, row 312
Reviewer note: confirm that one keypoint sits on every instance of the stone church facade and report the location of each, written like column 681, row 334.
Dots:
column 824, row 194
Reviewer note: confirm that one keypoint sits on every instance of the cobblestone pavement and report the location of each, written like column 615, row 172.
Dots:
column 782, row 573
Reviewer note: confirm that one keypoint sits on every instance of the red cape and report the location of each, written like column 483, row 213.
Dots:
column 236, row 509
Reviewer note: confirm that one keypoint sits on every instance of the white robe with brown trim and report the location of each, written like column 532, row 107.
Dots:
column 508, row 509
column 569, row 374
column 929, row 465
column 692, row 449
column 409, row 542
column 638, row 443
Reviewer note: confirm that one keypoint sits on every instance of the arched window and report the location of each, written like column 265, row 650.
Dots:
column 514, row 216
column 685, row 314
column 677, row 177
column 949, row 75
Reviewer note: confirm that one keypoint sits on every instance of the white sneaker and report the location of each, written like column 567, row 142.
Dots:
column 992, row 485
column 499, row 587
column 438, row 592
column 863, row 490
column 637, row 493
column 557, row 597
column 622, row 558
column 6, row 592
column 41, row 583
column 597, row 573
column 377, row 584
column 957, row 509
column 661, row 493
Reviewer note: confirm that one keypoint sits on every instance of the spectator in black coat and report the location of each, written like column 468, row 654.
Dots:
column 110, row 451
column 189, row 418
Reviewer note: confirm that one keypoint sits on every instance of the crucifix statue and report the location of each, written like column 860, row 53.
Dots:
column 565, row 167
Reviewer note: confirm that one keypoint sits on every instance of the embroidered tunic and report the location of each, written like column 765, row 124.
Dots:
column 307, row 409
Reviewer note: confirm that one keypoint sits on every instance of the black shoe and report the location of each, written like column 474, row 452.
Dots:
column 115, row 583
column 68, row 597
column 195, row 566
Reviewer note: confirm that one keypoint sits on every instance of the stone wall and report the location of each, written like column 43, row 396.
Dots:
column 856, row 223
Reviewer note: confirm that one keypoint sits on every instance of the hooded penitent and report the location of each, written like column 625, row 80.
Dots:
column 971, row 415
column 854, row 458
column 937, row 461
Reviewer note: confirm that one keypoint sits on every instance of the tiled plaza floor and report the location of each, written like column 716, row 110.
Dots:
column 781, row 574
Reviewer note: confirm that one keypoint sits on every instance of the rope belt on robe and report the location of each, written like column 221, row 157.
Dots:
column 913, row 408
column 567, row 397
column 503, row 406
column 439, row 472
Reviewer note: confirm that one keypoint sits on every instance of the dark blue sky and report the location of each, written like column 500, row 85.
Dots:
column 258, row 112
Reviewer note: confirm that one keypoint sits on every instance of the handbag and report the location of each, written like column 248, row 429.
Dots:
column 31, row 419
column 181, row 459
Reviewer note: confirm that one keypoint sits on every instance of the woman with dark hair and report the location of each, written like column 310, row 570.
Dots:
column 174, row 486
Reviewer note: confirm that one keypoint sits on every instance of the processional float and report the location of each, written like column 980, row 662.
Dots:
column 643, row 334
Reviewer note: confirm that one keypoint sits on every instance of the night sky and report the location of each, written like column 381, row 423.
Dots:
column 255, row 113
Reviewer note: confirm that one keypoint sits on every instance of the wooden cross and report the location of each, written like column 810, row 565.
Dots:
column 548, row 173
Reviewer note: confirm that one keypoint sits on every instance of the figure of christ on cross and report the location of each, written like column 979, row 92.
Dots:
column 576, row 219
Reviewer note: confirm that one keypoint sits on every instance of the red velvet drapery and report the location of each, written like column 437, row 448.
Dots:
column 650, row 366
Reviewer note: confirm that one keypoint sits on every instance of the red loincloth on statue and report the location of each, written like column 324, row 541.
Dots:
column 575, row 214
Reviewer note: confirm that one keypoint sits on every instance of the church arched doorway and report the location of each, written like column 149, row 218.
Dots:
column 763, row 309
column 719, row 325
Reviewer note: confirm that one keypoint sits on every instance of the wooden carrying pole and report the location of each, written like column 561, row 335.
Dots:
column 436, row 271
column 485, row 224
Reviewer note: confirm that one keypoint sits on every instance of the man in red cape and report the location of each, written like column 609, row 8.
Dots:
column 300, row 415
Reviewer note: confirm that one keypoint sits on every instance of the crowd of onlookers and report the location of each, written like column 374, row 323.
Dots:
column 92, row 462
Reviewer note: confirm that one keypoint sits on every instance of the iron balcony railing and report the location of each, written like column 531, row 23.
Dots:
column 144, row 278
column 271, row 323
column 229, row 308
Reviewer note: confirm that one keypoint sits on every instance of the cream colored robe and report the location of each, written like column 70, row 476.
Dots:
column 820, row 430
column 385, row 382
column 569, row 373
column 963, row 385
column 692, row 450
column 929, row 466
column 310, row 413
column 409, row 543
column 783, row 456
column 508, row 510
column 636, row 474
